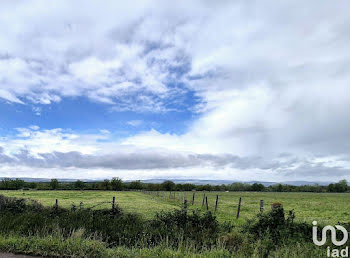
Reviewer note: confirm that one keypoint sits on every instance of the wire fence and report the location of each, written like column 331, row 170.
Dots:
column 186, row 199
column 95, row 205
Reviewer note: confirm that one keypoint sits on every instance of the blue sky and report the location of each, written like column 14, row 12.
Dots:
column 244, row 90
column 84, row 116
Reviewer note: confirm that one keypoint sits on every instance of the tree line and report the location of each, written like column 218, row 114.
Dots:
column 116, row 184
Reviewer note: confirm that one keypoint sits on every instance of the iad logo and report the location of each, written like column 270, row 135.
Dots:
column 331, row 252
column 333, row 235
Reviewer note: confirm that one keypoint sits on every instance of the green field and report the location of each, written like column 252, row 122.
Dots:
column 327, row 208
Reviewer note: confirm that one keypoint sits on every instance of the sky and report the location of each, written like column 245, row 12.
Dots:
column 236, row 90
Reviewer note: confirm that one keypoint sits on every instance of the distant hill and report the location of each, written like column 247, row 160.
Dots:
column 43, row 180
column 181, row 181
column 226, row 182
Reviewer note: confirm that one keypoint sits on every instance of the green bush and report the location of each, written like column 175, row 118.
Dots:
column 274, row 225
column 235, row 241
column 202, row 230
column 112, row 226
column 72, row 232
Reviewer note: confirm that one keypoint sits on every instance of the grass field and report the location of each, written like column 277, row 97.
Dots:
column 326, row 208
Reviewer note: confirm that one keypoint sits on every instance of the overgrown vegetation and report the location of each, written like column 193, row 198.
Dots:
column 111, row 225
column 116, row 184
column 326, row 208
column 32, row 228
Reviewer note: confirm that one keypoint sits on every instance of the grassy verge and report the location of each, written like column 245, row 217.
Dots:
column 27, row 227
column 326, row 208
column 55, row 246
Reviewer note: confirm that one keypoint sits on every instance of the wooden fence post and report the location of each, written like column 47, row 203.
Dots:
column 56, row 205
column 261, row 205
column 203, row 200
column 113, row 203
column 193, row 198
column 239, row 207
column 206, row 202
column 185, row 204
column 80, row 205
column 216, row 202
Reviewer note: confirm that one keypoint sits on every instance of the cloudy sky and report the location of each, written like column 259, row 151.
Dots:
column 238, row 90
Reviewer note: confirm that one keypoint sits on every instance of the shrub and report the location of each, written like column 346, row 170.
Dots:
column 235, row 241
column 275, row 226
column 112, row 226
column 276, row 205
column 200, row 229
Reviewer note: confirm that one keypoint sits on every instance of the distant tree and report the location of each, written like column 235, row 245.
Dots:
column 17, row 184
column 206, row 187
column 257, row 187
column 217, row 188
column 54, row 184
column 238, row 187
column 168, row 185
column 316, row 188
column 32, row 185
column 188, row 187
column 117, row 184
column 105, row 184
column 136, row 185
column 94, row 185
column 79, row 184
column 153, row 187
column 224, row 187
column 277, row 188
column 5, row 183
column 341, row 186
column 331, row 188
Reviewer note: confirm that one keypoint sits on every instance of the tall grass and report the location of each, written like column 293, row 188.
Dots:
column 112, row 226
column 28, row 227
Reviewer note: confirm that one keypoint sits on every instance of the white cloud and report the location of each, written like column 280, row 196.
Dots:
column 107, row 56
column 9, row 96
column 42, row 153
column 104, row 131
column 37, row 110
column 135, row 122
column 270, row 77
column 34, row 127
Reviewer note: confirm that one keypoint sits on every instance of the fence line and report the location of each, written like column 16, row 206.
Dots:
column 205, row 201
column 172, row 195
